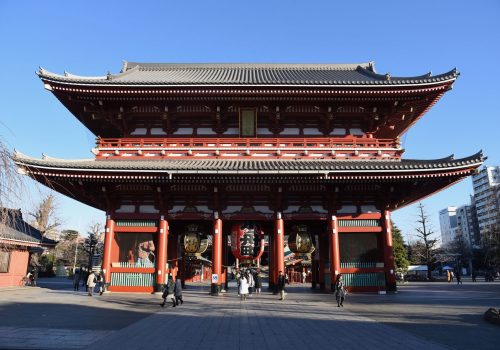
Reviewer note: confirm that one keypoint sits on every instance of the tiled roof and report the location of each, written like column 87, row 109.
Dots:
column 16, row 229
column 237, row 74
column 244, row 166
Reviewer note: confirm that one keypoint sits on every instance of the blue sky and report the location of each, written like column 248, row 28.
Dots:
column 402, row 37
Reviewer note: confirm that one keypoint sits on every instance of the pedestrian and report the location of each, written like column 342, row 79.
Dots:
column 238, row 280
column 100, row 282
column 178, row 291
column 304, row 275
column 251, row 282
column 287, row 281
column 473, row 275
column 452, row 275
column 340, row 291
column 168, row 292
column 243, row 287
column 281, row 285
column 258, row 282
column 448, row 276
column 91, row 281
column 459, row 277
column 76, row 280
column 35, row 276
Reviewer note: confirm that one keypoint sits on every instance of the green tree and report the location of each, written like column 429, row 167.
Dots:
column 400, row 251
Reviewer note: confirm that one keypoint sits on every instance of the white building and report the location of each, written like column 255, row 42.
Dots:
column 486, row 191
column 448, row 224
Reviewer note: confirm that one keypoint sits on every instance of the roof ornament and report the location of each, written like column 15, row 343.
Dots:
column 66, row 73
column 108, row 76
column 387, row 76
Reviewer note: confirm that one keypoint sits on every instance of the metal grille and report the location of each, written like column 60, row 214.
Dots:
column 137, row 223
column 358, row 265
column 137, row 264
column 364, row 279
column 132, row 279
column 359, row 223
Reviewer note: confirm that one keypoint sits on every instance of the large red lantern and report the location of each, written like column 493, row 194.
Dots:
column 247, row 241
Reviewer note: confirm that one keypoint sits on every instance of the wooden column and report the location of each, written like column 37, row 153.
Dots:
column 390, row 274
column 161, row 258
column 334, row 250
column 108, row 244
column 216, row 254
column 323, row 256
column 279, row 232
column 172, row 255
column 271, row 259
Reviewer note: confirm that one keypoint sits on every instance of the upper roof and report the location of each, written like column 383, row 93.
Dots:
column 272, row 166
column 250, row 74
column 18, row 230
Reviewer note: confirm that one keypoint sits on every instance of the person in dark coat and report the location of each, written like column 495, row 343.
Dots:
column 281, row 285
column 168, row 292
column 76, row 280
column 340, row 291
column 178, row 291
column 258, row 282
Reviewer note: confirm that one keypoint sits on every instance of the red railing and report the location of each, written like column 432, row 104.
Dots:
column 307, row 142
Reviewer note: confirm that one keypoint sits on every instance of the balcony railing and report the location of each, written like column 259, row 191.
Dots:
column 313, row 147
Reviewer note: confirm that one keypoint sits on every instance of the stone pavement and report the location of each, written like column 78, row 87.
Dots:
column 421, row 315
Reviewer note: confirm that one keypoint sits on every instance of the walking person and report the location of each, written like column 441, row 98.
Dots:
column 35, row 276
column 281, row 285
column 251, row 282
column 168, row 292
column 304, row 276
column 76, row 280
column 178, row 291
column 473, row 275
column 448, row 276
column 452, row 275
column 459, row 277
column 243, row 287
column 258, row 282
column 91, row 282
column 100, row 282
column 340, row 291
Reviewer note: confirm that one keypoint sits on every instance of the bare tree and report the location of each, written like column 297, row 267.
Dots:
column 11, row 188
column 45, row 216
column 93, row 243
column 428, row 251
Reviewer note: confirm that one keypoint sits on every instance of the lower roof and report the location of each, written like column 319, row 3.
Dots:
column 271, row 166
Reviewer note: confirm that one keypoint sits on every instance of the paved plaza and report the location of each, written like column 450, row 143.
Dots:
column 420, row 316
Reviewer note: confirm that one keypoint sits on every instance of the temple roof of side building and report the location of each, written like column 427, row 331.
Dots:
column 15, row 229
column 252, row 74
column 271, row 166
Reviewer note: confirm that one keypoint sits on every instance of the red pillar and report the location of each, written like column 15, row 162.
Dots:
column 108, row 244
column 271, row 260
column 390, row 274
column 279, row 233
column 323, row 256
column 161, row 258
column 334, row 250
column 216, row 255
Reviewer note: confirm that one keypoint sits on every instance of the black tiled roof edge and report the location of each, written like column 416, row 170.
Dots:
column 276, row 165
column 211, row 74
column 16, row 229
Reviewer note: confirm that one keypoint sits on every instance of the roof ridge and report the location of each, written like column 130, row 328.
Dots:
column 242, row 65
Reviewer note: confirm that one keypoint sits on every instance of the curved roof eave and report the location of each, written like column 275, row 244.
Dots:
column 367, row 70
column 220, row 167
